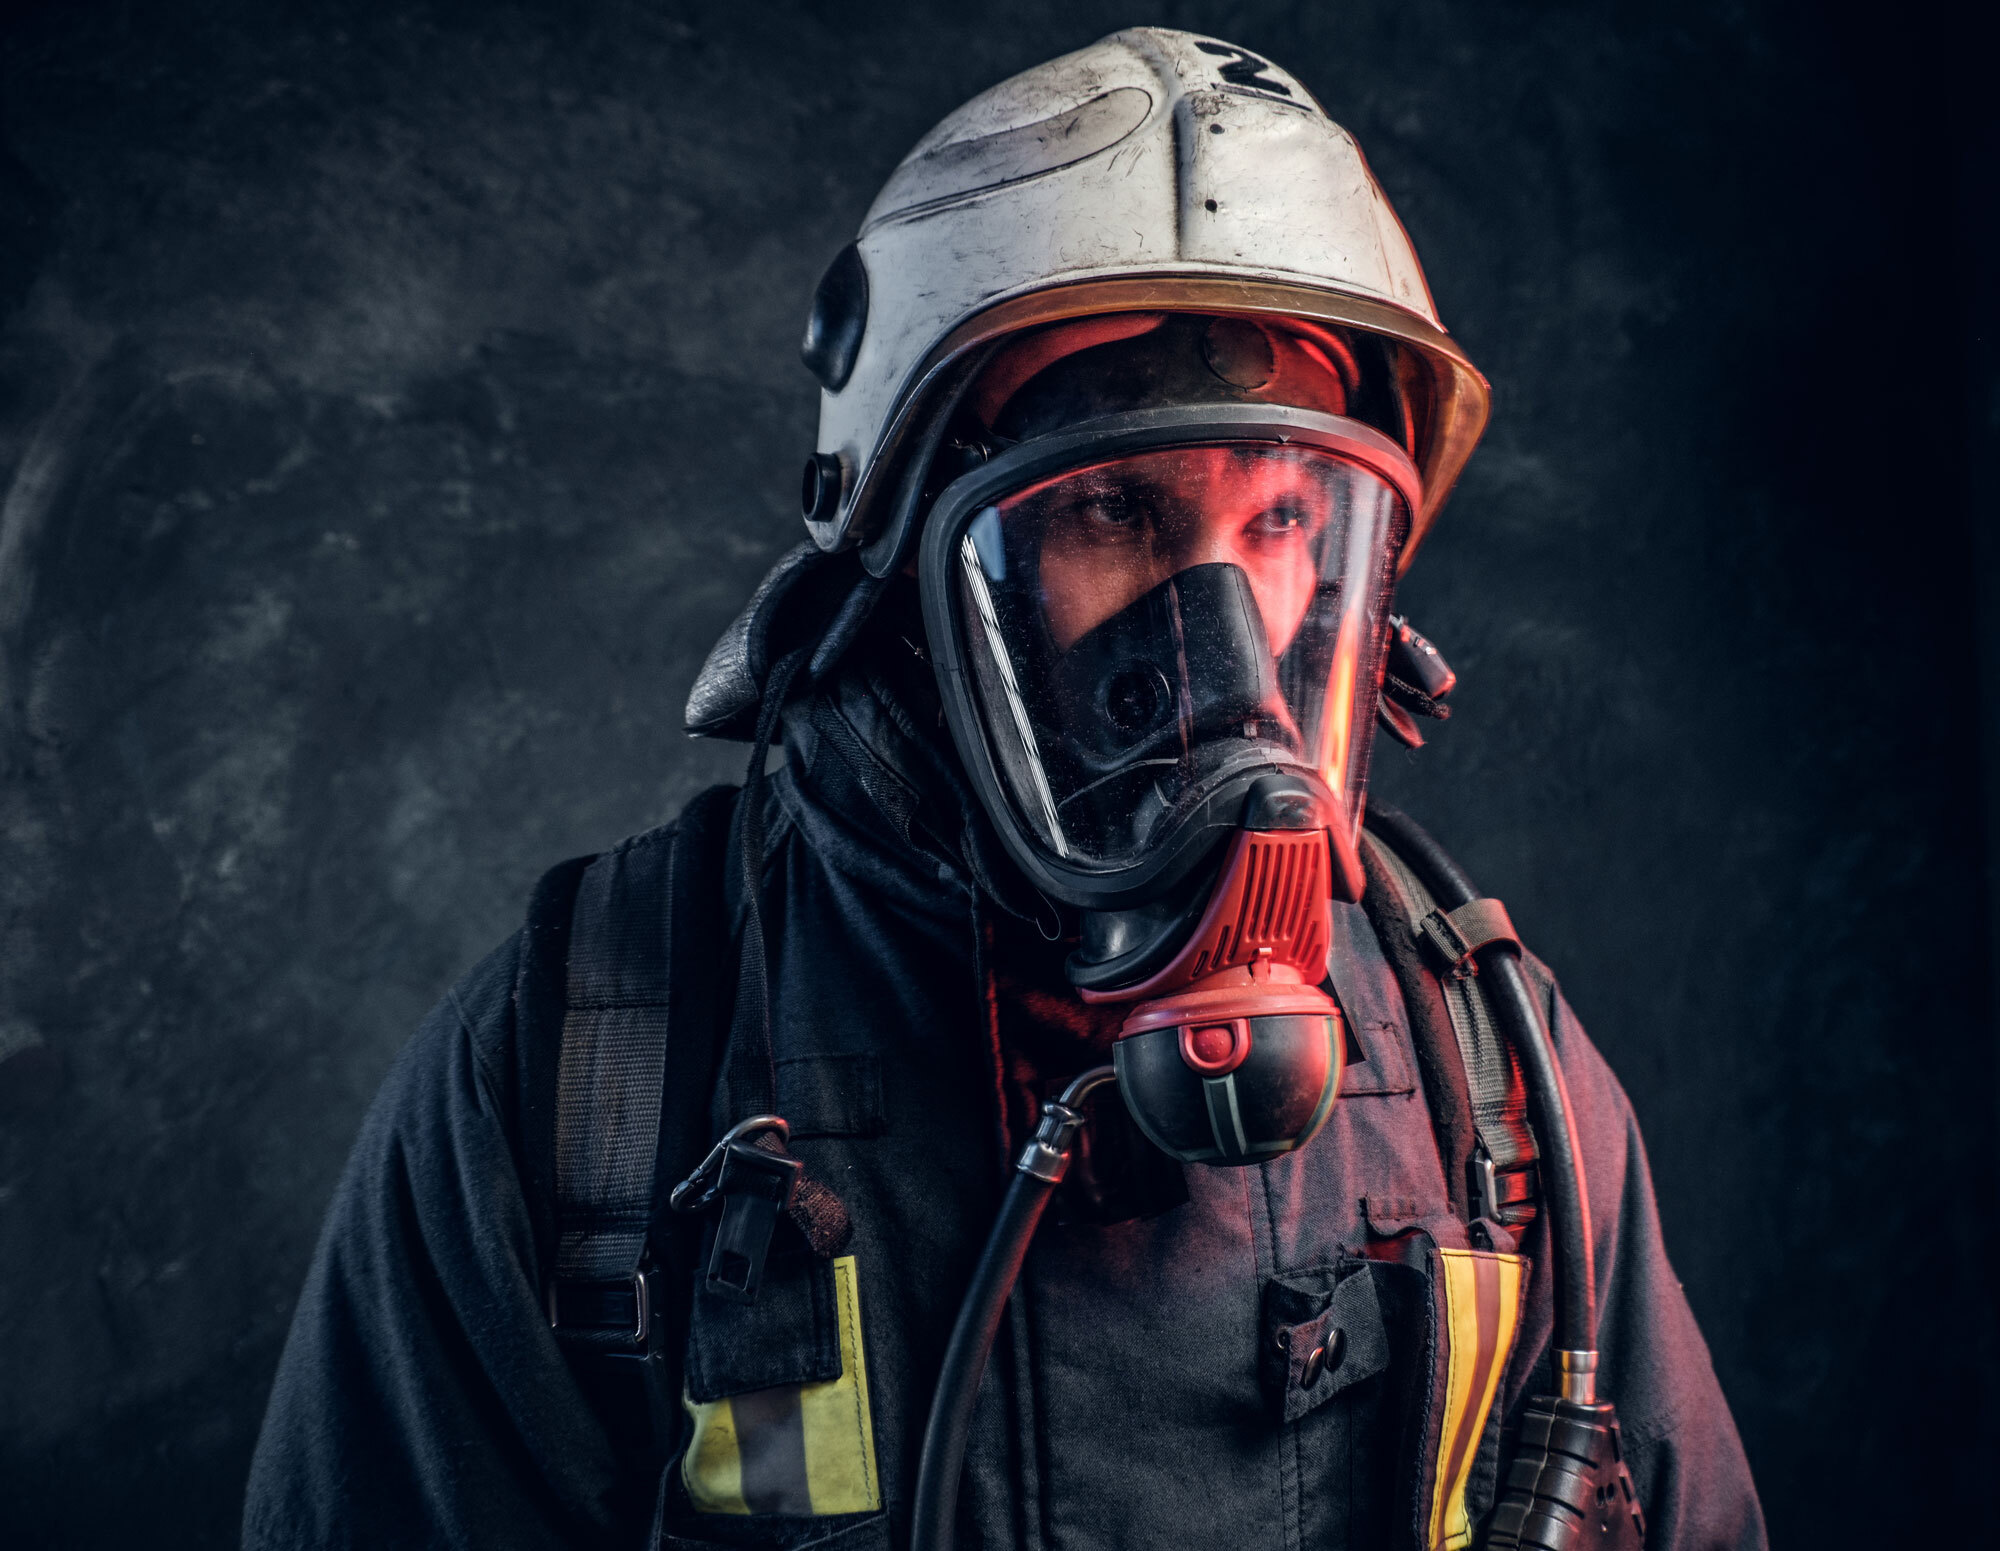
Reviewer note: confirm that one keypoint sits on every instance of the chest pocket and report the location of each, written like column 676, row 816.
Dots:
column 778, row 1395
column 1384, row 1375
column 1337, row 1347
column 1378, row 1060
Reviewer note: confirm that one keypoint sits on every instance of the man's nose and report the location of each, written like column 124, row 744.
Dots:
column 1203, row 540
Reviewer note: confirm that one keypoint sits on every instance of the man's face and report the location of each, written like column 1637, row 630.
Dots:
column 1112, row 533
column 1144, row 630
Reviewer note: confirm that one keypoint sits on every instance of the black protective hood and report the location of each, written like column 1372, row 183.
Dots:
column 864, row 722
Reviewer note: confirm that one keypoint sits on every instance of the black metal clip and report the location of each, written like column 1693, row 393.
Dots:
column 754, row 1188
column 1414, row 684
column 1418, row 679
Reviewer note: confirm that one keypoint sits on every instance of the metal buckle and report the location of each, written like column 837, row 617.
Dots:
column 642, row 1306
column 1486, row 1186
column 1485, row 1180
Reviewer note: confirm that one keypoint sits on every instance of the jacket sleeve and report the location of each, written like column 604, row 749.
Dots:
column 1680, row 1440
column 421, row 1400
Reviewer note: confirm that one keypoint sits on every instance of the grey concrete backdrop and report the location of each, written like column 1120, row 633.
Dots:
column 396, row 400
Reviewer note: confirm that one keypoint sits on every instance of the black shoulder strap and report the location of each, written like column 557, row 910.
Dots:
column 538, row 1023
column 643, row 1010
column 1431, row 951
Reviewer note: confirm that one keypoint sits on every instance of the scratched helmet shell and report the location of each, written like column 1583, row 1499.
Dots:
column 1154, row 171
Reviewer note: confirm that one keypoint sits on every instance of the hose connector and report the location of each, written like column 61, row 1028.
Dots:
column 1576, row 1372
column 1046, row 1157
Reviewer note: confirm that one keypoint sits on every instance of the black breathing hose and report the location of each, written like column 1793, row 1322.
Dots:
column 1037, row 1172
column 1569, row 1205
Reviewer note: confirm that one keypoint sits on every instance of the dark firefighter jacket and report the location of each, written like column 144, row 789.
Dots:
column 1133, row 1399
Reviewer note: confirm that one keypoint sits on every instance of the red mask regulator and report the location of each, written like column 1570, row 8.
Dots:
column 1232, row 1051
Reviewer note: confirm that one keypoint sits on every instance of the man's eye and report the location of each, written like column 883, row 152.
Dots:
column 1111, row 512
column 1284, row 519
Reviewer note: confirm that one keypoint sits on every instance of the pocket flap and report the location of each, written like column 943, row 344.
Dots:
column 1323, row 1333
column 792, row 1448
column 789, row 1335
column 1384, row 1067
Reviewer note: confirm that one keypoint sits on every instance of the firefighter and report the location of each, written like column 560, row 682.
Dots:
column 1135, row 406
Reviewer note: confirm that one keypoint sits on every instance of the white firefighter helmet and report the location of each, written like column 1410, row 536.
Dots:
column 1154, row 171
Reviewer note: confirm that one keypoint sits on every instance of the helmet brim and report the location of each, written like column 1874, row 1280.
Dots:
column 1449, row 400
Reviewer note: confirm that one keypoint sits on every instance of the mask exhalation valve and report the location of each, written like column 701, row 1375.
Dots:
column 1233, row 1051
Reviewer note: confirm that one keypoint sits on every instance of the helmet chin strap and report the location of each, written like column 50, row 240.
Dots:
column 1232, row 1051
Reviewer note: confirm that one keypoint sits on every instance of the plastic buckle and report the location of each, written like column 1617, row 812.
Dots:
column 754, row 1187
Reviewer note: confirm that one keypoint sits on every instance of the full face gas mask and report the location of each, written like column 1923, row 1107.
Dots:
column 1158, row 601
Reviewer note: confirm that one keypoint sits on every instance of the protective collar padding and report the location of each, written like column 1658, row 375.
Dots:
column 808, row 598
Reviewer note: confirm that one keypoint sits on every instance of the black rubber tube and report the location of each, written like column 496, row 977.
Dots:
column 1568, row 1195
column 1037, row 1172
column 950, row 1425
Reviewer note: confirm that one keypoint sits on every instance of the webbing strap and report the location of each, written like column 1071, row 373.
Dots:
column 752, row 1073
column 628, row 1021
column 1433, row 1035
column 752, row 1078
column 613, row 1068
column 1498, row 1096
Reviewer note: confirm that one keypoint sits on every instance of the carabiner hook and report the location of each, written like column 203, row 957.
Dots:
column 704, row 1178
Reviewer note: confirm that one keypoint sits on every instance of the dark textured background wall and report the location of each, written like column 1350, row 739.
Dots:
column 396, row 400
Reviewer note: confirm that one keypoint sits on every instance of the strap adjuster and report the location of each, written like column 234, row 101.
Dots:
column 1453, row 937
column 1505, row 1196
column 603, row 1313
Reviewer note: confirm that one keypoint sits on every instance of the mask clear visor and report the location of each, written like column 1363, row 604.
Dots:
column 1141, row 631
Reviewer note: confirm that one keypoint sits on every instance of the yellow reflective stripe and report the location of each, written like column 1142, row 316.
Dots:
column 712, row 1468
column 1482, row 1299
column 811, row 1447
column 840, row 1436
